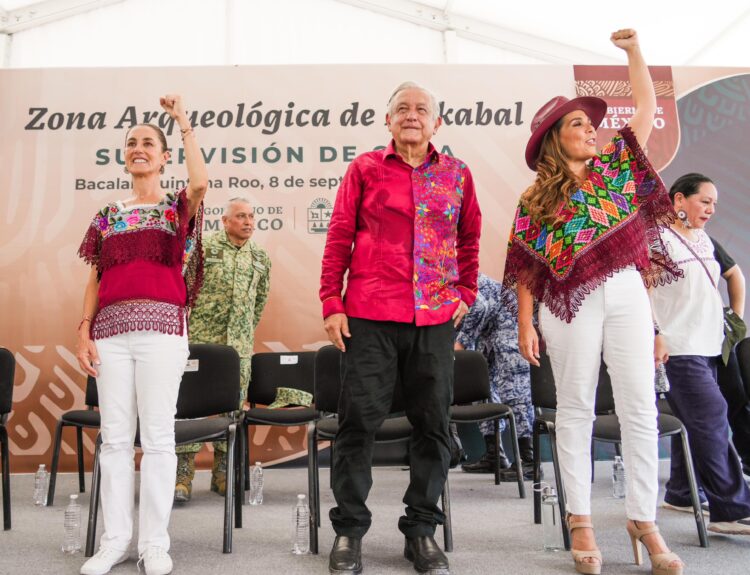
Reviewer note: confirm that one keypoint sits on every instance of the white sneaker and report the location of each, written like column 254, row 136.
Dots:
column 687, row 508
column 103, row 561
column 156, row 561
column 739, row 527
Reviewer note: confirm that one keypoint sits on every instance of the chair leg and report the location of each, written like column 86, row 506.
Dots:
column 246, row 443
column 592, row 459
column 517, row 455
column 4, row 452
column 697, row 511
column 447, row 523
column 311, row 489
column 94, row 501
column 55, row 463
column 229, row 491
column 560, row 488
column 536, row 485
column 239, row 493
column 498, row 439
column 79, row 445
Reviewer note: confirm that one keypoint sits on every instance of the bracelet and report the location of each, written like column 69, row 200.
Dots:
column 187, row 132
column 85, row 319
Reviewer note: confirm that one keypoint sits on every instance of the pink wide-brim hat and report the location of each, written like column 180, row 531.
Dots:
column 548, row 115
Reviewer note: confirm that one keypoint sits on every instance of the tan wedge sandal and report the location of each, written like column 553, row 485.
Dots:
column 580, row 556
column 660, row 562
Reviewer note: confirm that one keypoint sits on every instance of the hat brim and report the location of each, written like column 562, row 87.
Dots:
column 277, row 404
column 595, row 109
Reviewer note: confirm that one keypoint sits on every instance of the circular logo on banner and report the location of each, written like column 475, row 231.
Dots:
column 319, row 216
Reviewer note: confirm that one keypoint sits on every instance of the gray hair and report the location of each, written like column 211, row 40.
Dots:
column 408, row 85
column 236, row 200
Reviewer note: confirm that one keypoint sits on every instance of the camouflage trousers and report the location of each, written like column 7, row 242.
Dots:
column 516, row 394
column 221, row 445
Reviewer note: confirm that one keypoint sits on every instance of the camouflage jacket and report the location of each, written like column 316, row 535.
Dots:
column 234, row 293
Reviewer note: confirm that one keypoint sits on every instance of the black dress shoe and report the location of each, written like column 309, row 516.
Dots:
column 346, row 556
column 426, row 555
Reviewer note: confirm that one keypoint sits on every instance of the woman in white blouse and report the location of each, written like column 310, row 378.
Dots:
column 689, row 324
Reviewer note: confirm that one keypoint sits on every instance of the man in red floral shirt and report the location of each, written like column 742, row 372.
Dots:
column 406, row 227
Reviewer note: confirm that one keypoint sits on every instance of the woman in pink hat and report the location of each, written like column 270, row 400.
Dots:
column 585, row 244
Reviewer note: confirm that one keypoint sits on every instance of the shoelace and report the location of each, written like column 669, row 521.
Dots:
column 150, row 553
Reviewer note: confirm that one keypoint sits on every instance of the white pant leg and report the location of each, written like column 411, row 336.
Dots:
column 575, row 355
column 159, row 363
column 117, row 405
column 629, row 355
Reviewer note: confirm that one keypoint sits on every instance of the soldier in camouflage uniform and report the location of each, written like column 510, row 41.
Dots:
column 492, row 330
column 235, row 291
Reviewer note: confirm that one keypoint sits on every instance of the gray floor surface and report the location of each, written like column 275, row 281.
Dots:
column 494, row 532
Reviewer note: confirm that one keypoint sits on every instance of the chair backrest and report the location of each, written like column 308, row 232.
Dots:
column 92, row 393
column 743, row 358
column 605, row 399
column 7, row 373
column 328, row 382
column 211, row 387
column 544, row 394
column 471, row 377
column 273, row 370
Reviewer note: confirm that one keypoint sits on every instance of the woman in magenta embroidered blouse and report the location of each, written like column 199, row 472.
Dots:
column 133, row 336
column 585, row 240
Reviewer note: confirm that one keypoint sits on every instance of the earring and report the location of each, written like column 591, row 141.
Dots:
column 125, row 169
column 682, row 215
column 161, row 171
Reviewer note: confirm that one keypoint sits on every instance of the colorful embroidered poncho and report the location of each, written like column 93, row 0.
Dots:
column 611, row 222
column 150, row 265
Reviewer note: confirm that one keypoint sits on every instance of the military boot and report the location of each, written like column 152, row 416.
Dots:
column 486, row 463
column 219, row 473
column 183, row 486
column 525, row 447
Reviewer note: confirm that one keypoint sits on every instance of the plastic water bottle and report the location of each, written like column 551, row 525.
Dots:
column 72, row 538
column 301, row 544
column 618, row 478
column 551, row 527
column 41, row 483
column 255, row 496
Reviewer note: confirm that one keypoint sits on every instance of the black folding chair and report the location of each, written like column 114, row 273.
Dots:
column 394, row 430
column 7, row 372
column 472, row 384
column 271, row 371
column 206, row 395
column 80, row 419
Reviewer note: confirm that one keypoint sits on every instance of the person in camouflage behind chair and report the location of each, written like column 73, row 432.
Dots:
column 491, row 328
column 236, row 286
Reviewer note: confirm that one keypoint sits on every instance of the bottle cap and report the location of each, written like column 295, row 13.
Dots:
column 301, row 496
column 73, row 496
column 257, row 463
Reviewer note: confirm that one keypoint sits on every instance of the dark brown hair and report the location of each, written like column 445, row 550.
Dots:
column 159, row 134
column 554, row 183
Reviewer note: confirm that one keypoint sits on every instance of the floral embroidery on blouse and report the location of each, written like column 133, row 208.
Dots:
column 438, row 194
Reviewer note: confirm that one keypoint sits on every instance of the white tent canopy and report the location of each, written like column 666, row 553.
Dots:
column 57, row 33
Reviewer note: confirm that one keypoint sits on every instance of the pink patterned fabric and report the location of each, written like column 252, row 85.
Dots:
column 406, row 239
column 150, row 264
column 610, row 223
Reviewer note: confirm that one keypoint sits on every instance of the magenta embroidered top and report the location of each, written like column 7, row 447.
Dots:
column 408, row 237
column 150, row 264
column 612, row 222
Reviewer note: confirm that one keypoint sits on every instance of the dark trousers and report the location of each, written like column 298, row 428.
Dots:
column 738, row 405
column 378, row 356
column 695, row 399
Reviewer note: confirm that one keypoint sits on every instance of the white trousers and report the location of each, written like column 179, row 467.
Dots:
column 614, row 321
column 139, row 377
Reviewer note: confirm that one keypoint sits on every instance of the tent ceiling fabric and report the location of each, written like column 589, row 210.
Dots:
column 455, row 31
